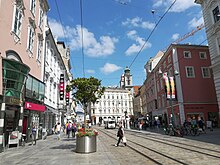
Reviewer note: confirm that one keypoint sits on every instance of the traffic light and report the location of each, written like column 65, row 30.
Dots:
column 67, row 98
column 61, row 86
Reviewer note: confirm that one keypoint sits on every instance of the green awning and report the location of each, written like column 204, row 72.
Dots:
column 14, row 77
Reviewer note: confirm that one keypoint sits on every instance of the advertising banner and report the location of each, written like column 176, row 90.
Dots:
column 167, row 84
column 172, row 85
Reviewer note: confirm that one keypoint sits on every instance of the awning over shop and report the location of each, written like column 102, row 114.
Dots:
column 14, row 77
column 34, row 107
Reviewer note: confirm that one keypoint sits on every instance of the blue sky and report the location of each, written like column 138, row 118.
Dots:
column 115, row 30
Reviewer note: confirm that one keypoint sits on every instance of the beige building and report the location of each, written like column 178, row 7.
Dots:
column 22, row 29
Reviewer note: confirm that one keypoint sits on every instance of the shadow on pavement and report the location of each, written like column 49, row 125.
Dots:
column 70, row 139
column 64, row 146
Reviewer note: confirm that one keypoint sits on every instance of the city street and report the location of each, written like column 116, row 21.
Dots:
column 144, row 147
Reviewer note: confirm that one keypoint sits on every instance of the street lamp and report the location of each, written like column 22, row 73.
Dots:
column 170, row 92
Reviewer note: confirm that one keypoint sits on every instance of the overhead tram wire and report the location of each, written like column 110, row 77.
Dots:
column 152, row 32
column 61, row 22
column 83, row 55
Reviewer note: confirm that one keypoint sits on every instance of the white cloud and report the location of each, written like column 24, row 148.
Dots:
column 135, row 48
column 179, row 6
column 56, row 28
column 105, row 46
column 137, row 22
column 175, row 36
column 110, row 68
column 195, row 22
column 90, row 71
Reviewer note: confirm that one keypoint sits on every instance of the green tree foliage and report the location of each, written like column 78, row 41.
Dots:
column 86, row 90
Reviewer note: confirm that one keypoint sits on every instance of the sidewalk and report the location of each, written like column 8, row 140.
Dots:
column 54, row 152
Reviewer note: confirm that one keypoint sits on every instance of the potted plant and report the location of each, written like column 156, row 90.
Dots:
column 85, row 91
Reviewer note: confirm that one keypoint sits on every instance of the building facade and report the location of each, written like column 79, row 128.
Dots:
column 21, row 58
column 211, row 15
column 189, row 88
column 115, row 103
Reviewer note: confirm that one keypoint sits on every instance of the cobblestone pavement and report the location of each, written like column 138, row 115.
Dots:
column 53, row 152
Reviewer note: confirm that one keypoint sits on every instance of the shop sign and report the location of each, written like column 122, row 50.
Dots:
column 61, row 86
column 34, row 107
column 12, row 101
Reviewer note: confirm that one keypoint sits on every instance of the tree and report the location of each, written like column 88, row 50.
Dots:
column 85, row 91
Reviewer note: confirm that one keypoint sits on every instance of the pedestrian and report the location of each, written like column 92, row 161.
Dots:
column 120, row 135
column 58, row 130
column 201, row 124
column 73, row 129
column 68, row 129
column 33, row 135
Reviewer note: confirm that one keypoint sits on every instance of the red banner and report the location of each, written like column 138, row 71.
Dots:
column 35, row 107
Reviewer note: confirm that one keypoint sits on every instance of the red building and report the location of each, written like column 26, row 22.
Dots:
column 194, row 90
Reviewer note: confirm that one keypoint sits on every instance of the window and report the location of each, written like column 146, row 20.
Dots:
column 33, row 6
column 218, row 44
column 169, row 59
column 190, row 72
column 30, row 39
column 216, row 14
column 205, row 72
column 40, row 22
column 202, row 55
column 187, row 54
column 39, row 49
column 17, row 22
column 164, row 65
column 161, row 83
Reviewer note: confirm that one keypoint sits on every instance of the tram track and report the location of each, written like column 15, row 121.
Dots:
column 184, row 144
column 152, row 154
column 196, row 148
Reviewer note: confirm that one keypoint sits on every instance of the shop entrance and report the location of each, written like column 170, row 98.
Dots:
column 11, row 122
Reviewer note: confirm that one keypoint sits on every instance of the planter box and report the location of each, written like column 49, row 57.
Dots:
column 86, row 144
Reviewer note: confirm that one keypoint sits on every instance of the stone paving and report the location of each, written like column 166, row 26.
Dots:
column 53, row 152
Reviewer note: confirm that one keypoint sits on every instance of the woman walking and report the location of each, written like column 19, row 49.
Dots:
column 120, row 135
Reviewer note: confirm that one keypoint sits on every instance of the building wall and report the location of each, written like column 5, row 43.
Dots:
column 20, row 46
column 213, row 36
column 197, row 91
column 114, row 102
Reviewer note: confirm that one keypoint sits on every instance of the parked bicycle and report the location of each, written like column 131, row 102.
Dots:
column 173, row 131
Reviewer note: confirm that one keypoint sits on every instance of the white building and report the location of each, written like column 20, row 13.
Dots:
column 54, row 69
column 114, row 103
column 211, row 15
